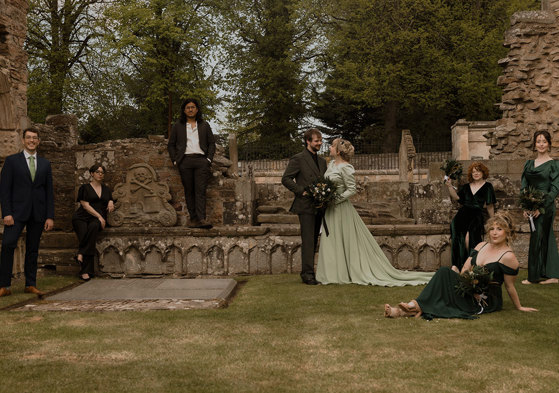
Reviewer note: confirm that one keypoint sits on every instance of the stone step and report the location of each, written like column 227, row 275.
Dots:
column 282, row 219
column 58, row 240
column 277, row 219
column 59, row 256
column 271, row 209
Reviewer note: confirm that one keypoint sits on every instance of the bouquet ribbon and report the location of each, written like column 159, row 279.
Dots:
column 532, row 225
column 323, row 210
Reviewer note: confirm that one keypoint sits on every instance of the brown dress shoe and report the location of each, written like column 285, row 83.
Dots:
column 5, row 292
column 34, row 290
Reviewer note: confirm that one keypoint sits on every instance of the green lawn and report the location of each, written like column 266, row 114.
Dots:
column 279, row 335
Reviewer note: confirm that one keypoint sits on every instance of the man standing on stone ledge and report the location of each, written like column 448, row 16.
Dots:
column 192, row 148
column 304, row 168
column 27, row 201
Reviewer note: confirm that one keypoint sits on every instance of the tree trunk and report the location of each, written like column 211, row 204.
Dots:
column 392, row 136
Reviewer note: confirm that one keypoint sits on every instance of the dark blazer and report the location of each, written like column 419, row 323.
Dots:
column 300, row 172
column 177, row 141
column 19, row 196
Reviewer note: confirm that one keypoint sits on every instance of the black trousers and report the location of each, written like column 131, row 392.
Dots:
column 9, row 243
column 310, row 229
column 87, row 230
column 195, row 173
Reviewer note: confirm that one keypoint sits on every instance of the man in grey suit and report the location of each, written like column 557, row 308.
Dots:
column 304, row 168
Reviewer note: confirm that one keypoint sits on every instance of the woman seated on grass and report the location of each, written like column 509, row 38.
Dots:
column 440, row 298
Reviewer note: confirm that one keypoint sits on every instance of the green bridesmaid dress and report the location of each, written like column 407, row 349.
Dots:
column 439, row 299
column 543, row 258
column 469, row 219
column 350, row 253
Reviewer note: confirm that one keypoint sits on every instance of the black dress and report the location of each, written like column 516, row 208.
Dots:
column 469, row 219
column 86, row 225
column 439, row 298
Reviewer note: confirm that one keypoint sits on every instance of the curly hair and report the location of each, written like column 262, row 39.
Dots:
column 480, row 167
column 344, row 148
column 505, row 221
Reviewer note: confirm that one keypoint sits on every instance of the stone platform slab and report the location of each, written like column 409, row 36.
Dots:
column 139, row 294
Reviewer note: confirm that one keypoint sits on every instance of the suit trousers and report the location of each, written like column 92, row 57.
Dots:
column 195, row 173
column 87, row 230
column 9, row 244
column 310, row 229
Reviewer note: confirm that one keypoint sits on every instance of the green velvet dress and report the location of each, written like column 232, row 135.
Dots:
column 543, row 258
column 470, row 218
column 350, row 253
column 439, row 299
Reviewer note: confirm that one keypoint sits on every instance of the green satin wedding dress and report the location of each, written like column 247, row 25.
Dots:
column 350, row 253
column 543, row 258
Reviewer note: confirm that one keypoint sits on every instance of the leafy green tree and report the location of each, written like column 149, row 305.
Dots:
column 167, row 48
column 418, row 64
column 58, row 42
column 269, row 51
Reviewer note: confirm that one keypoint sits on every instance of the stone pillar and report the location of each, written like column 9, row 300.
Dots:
column 233, row 155
column 460, row 147
column 13, row 74
column 407, row 157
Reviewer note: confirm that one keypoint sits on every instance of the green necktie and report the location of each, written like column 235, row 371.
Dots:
column 32, row 167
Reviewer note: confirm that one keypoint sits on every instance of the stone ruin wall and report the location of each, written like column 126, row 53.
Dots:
column 530, row 83
column 13, row 74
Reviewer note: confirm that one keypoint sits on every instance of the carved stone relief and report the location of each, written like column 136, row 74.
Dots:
column 142, row 200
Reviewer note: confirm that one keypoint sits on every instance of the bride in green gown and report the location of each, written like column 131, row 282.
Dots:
column 349, row 253
column 440, row 299
column 542, row 174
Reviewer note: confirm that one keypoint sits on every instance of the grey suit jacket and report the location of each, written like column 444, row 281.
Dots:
column 300, row 172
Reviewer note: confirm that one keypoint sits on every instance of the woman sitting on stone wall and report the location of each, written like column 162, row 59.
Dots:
column 95, row 200
column 442, row 299
column 467, row 227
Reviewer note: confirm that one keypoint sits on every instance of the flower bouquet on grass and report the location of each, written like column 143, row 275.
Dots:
column 321, row 193
column 475, row 283
column 532, row 199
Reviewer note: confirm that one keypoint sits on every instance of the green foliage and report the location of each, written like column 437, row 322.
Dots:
column 167, row 46
column 411, row 62
column 267, row 52
column 59, row 35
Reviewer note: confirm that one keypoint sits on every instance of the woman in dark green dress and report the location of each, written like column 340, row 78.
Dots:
column 542, row 174
column 477, row 198
column 440, row 299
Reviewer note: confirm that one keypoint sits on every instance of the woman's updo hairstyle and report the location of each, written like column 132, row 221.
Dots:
column 545, row 134
column 344, row 148
column 504, row 220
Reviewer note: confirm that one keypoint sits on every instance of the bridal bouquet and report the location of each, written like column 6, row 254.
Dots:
column 474, row 282
column 532, row 199
column 321, row 192
column 452, row 169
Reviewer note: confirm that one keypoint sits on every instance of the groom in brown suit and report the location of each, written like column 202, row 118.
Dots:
column 304, row 168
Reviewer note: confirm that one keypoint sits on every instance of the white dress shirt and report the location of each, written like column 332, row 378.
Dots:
column 192, row 140
column 27, row 155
